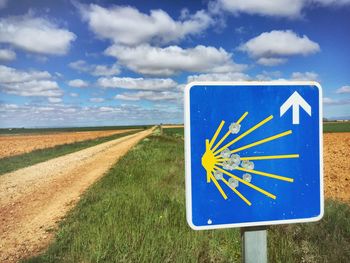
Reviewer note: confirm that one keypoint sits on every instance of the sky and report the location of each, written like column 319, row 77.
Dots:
column 100, row 63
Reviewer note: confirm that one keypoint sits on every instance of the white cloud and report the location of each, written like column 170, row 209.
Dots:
column 105, row 109
column 54, row 100
column 44, row 88
column 58, row 114
column 12, row 75
column 28, row 83
column 97, row 100
column 312, row 76
column 149, row 95
column 95, row 70
column 137, row 83
column 279, row 43
column 271, row 48
column 295, row 76
column 334, row 102
column 330, row 2
column 269, row 76
column 168, row 61
column 271, row 61
column 279, row 8
column 105, row 70
column 7, row 55
column 231, row 76
column 78, row 83
column 344, row 89
column 80, row 65
column 35, row 34
column 128, row 26
column 73, row 94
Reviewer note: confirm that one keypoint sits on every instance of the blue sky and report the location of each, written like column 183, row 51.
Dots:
column 80, row 63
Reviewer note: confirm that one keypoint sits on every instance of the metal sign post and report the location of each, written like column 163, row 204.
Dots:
column 254, row 244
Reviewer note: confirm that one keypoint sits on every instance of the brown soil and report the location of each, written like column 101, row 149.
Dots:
column 24, row 143
column 35, row 198
column 336, row 156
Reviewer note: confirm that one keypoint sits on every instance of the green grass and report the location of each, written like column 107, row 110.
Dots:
column 136, row 213
column 325, row 241
column 336, row 127
column 13, row 131
column 176, row 132
column 12, row 163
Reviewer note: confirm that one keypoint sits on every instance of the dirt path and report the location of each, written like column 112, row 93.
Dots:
column 172, row 126
column 35, row 198
column 23, row 143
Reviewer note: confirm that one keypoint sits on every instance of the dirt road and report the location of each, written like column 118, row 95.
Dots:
column 35, row 198
column 23, row 143
column 172, row 126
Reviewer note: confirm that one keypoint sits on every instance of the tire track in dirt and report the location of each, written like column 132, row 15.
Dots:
column 34, row 199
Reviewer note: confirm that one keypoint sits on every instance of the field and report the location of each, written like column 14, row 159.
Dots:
column 336, row 127
column 18, row 144
column 12, row 163
column 136, row 213
column 336, row 156
column 16, row 131
column 179, row 132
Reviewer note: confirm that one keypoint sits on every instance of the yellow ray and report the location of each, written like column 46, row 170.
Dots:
column 222, row 139
column 269, row 157
column 275, row 176
column 246, row 183
column 216, row 134
column 218, row 186
column 244, row 134
column 262, row 141
column 242, row 117
column 237, row 192
column 228, row 133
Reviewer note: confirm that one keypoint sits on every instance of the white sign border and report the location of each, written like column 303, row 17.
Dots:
column 188, row 184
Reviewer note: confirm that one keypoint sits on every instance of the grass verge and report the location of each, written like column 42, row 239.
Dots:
column 136, row 213
column 325, row 241
column 12, row 163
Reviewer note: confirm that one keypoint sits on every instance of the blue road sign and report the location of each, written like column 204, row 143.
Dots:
column 253, row 153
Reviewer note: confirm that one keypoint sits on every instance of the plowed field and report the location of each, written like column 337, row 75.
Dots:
column 336, row 155
column 19, row 144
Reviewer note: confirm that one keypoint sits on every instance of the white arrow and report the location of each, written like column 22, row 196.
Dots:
column 296, row 101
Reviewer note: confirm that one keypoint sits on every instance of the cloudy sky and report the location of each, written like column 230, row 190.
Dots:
column 79, row 63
